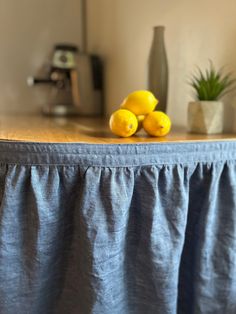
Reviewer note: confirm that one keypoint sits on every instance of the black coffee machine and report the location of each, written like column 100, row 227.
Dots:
column 76, row 82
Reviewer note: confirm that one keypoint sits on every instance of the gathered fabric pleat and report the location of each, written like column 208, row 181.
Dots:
column 98, row 230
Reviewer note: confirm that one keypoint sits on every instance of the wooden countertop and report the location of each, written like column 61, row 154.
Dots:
column 38, row 128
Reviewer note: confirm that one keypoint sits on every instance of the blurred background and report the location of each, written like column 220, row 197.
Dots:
column 120, row 31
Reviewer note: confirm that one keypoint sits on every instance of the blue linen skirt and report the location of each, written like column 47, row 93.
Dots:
column 118, row 229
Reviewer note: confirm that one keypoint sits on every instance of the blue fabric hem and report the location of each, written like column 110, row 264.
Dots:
column 116, row 155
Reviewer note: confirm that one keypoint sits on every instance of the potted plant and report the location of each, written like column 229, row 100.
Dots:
column 206, row 113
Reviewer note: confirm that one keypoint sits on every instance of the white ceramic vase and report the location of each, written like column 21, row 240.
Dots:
column 206, row 117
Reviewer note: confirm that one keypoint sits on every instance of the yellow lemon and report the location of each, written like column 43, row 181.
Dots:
column 157, row 123
column 140, row 102
column 140, row 122
column 123, row 123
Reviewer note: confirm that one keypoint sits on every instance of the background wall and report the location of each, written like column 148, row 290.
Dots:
column 121, row 32
column 196, row 31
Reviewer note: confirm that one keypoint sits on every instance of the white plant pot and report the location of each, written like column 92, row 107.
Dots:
column 206, row 117
column 234, row 118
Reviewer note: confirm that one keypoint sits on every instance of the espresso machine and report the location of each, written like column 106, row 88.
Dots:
column 75, row 81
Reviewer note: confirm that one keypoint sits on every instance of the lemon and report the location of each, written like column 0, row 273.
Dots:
column 157, row 123
column 140, row 102
column 123, row 123
column 140, row 122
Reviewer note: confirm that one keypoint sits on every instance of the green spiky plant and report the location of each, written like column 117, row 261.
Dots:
column 211, row 84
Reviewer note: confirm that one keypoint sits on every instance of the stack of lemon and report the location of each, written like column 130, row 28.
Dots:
column 136, row 112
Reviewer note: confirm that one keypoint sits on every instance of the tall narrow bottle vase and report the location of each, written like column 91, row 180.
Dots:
column 158, row 68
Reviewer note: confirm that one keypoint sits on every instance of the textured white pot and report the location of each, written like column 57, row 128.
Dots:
column 234, row 118
column 205, row 117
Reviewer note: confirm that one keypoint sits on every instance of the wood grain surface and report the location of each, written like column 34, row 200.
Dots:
column 39, row 128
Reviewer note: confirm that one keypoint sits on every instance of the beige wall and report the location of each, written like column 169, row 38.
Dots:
column 121, row 31
column 28, row 30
